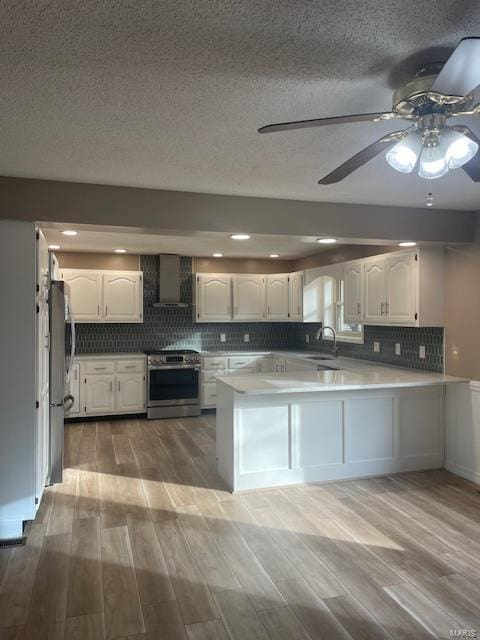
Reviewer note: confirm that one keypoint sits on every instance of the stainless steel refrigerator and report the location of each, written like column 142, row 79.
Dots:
column 62, row 351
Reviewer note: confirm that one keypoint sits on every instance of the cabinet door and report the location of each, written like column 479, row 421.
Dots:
column 99, row 394
column 209, row 395
column 130, row 392
column 214, row 298
column 279, row 365
column 74, row 389
column 85, row 293
column 277, row 297
column 401, row 277
column 353, row 303
column 248, row 297
column 375, row 291
column 122, row 297
column 296, row 296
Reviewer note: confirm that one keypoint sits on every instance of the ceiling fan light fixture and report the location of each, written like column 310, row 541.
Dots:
column 432, row 163
column 404, row 155
column 459, row 148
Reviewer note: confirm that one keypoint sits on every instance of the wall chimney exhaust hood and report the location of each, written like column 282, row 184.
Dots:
column 169, row 282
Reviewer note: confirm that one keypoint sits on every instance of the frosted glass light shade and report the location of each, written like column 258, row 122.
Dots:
column 404, row 155
column 432, row 163
column 457, row 148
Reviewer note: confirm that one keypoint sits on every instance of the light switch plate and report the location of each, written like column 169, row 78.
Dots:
column 246, row 337
column 398, row 349
column 307, row 338
column 223, row 337
column 376, row 347
column 421, row 351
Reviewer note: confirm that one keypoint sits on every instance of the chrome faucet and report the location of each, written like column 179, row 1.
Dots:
column 319, row 334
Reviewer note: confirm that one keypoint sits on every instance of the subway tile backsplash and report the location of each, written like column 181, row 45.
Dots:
column 175, row 328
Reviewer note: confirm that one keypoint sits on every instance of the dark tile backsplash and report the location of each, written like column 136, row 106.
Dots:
column 175, row 328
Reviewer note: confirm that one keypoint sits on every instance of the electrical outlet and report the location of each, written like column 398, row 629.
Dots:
column 307, row 338
column 376, row 347
column 223, row 337
column 398, row 349
column 421, row 351
column 246, row 337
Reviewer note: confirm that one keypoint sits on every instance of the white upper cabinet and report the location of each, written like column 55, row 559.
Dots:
column 296, row 296
column 400, row 278
column 122, row 297
column 105, row 296
column 277, row 297
column 353, row 302
column 248, row 297
column 375, row 290
column 85, row 293
column 214, row 298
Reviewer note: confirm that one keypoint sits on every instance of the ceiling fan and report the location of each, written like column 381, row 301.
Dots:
column 437, row 93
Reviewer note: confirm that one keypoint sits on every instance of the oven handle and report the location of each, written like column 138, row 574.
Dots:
column 170, row 368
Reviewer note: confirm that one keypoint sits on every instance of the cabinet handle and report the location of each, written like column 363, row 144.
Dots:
column 111, row 386
column 106, row 310
column 130, row 366
column 100, row 368
column 386, row 308
column 98, row 309
column 381, row 308
column 268, row 310
column 358, row 308
column 119, row 385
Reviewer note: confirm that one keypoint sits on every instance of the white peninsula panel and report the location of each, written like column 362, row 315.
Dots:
column 272, row 439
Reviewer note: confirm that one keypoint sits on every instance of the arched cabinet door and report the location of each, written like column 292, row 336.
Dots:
column 249, row 297
column 375, row 291
column 401, row 288
column 353, row 301
column 122, row 297
column 214, row 298
column 85, row 293
column 277, row 297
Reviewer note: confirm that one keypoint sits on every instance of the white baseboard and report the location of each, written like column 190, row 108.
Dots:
column 463, row 472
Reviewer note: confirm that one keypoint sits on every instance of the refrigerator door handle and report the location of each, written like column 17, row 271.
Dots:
column 72, row 336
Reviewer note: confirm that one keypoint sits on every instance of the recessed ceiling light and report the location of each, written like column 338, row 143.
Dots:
column 69, row 232
column 274, row 255
column 218, row 255
column 326, row 240
column 53, row 247
column 240, row 236
column 120, row 250
column 407, row 243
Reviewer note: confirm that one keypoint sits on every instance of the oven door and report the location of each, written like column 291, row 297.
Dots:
column 173, row 386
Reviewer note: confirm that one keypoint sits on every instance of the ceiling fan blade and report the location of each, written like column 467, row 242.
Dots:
column 322, row 122
column 363, row 156
column 472, row 167
column 460, row 74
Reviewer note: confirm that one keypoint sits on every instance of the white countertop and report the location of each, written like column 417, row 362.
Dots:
column 103, row 356
column 351, row 377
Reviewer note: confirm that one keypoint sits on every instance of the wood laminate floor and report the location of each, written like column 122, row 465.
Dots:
column 142, row 541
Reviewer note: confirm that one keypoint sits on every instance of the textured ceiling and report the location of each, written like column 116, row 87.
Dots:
column 170, row 93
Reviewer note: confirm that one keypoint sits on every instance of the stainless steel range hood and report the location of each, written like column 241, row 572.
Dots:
column 169, row 282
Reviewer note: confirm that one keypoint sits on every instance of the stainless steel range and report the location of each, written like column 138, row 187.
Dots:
column 173, row 387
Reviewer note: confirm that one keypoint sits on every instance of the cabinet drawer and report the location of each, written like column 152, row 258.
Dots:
column 239, row 362
column 99, row 366
column 211, row 376
column 130, row 366
column 209, row 394
column 215, row 363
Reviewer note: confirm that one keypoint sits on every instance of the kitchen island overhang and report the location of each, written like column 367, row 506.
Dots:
column 305, row 427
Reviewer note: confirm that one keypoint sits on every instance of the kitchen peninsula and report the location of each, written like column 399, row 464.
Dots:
column 358, row 420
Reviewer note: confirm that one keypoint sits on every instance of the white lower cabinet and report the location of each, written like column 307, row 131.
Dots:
column 130, row 392
column 113, row 385
column 99, row 394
